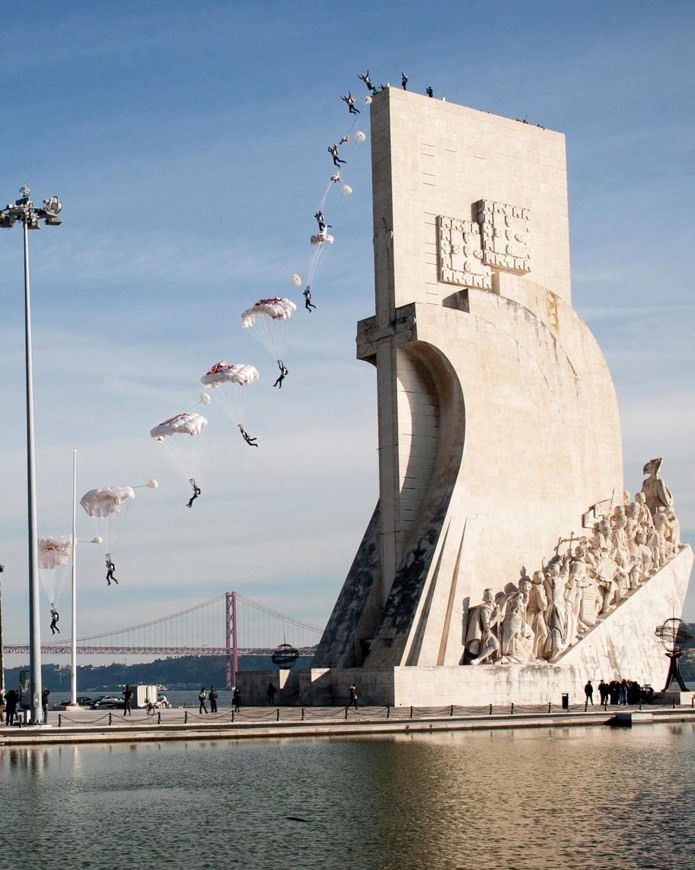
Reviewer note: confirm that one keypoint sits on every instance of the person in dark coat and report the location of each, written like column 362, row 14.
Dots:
column 213, row 699
column 127, row 698
column 589, row 692
column 11, row 700
column 236, row 700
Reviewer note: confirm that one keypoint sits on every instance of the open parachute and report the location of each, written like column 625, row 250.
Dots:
column 186, row 423
column 275, row 308
column 265, row 319
column 54, row 552
column 229, row 373
column 106, row 500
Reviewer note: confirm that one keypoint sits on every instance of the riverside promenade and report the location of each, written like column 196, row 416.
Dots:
column 99, row 726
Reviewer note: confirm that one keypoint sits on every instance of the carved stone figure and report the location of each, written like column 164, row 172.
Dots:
column 645, row 515
column 535, row 614
column 556, row 578
column 517, row 637
column 655, row 491
column 481, row 641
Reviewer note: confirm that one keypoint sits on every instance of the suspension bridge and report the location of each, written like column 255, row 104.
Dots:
column 229, row 625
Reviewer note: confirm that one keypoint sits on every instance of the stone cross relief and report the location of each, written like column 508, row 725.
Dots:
column 539, row 617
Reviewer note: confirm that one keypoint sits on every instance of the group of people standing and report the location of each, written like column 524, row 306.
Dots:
column 211, row 696
column 628, row 692
column 9, row 702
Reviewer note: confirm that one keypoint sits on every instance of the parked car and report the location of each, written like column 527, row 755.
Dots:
column 108, row 702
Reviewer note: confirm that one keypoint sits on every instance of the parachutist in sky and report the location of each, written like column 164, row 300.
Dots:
column 335, row 178
column 404, row 81
column 344, row 139
column 349, row 101
column 196, row 492
column 55, row 616
column 245, row 435
column 110, row 568
column 308, row 304
column 283, row 374
column 321, row 221
column 365, row 78
column 333, row 151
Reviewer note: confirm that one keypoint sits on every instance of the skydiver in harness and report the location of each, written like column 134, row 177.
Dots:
column 322, row 222
column 283, row 374
column 365, row 78
column 333, row 151
column 245, row 435
column 308, row 304
column 196, row 491
column 349, row 101
column 110, row 568
column 55, row 616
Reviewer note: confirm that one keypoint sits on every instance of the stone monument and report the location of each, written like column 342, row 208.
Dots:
column 503, row 536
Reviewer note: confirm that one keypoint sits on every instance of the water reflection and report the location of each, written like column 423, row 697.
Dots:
column 556, row 798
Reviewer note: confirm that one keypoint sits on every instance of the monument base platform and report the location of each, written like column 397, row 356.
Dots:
column 620, row 646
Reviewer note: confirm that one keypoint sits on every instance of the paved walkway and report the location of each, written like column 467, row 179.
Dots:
column 98, row 726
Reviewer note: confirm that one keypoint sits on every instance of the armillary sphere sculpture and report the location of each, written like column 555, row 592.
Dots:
column 285, row 656
column 674, row 636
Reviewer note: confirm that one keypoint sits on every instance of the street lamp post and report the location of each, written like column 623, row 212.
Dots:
column 30, row 216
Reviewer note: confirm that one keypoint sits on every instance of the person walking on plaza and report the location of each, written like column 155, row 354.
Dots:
column 270, row 693
column 11, row 700
column 236, row 700
column 353, row 696
column 589, row 692
column 201, row 700
column 127, row 698
column 44, row 704
column 213, row 699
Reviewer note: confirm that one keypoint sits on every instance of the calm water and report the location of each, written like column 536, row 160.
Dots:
column 556, row 798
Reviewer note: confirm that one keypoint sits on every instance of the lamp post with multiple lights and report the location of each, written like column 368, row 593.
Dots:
column 30, row 216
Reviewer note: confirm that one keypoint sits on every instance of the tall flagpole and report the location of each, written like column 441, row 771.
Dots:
column 73, row 650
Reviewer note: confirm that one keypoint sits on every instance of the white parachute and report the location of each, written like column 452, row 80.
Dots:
column 186, row 423
column 229, row 373
column 55, row 554
column 185, row 452
column 106, row 500
column 228, row 378
column 266, row 320
column 274, row 308
column 107, row 506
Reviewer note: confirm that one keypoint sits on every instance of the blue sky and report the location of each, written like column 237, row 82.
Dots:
column 188, row 141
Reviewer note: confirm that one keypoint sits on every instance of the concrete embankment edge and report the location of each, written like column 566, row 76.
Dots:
column 238, row 731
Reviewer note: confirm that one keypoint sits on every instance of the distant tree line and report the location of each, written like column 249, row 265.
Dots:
column 185, row 672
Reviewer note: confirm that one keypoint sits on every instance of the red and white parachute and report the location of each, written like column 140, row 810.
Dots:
column 275, row 308
column 265, row 319
column 227, row 378
column 186, row 423
column 229, row 373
